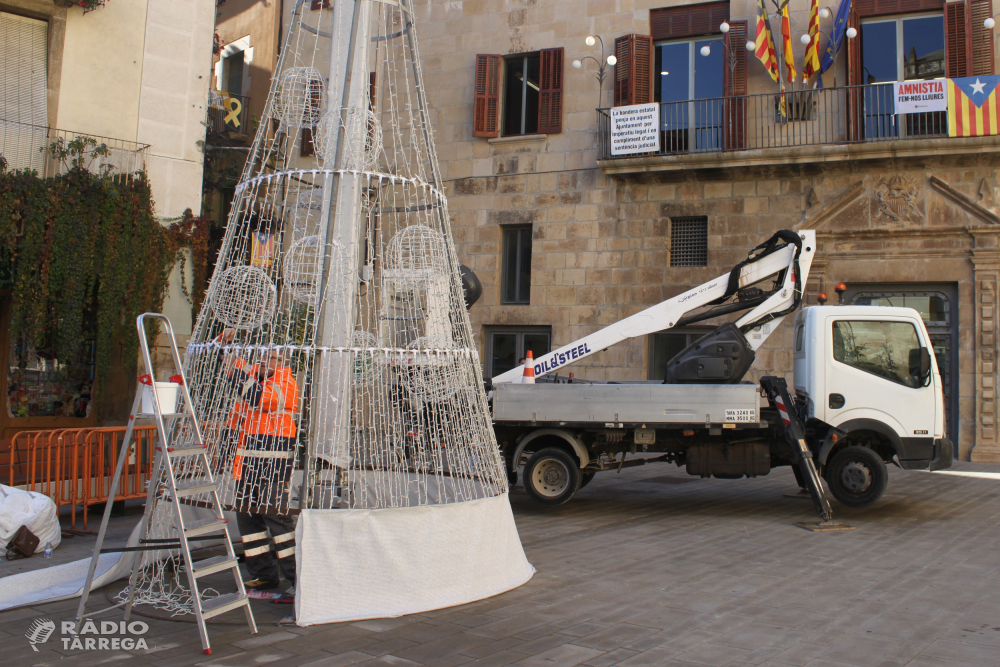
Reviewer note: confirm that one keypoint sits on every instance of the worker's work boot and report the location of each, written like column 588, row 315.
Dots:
column 260, row 584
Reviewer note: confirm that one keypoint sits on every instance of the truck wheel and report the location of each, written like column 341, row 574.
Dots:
column 585, row 478
column 857, row 476
column 551, row 476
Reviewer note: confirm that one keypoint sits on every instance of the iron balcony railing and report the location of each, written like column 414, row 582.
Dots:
column 49, row 151
column 229, row 113
column 852, row 114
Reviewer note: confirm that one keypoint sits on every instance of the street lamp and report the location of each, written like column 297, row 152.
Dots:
column 602, row 64
column 730, row 50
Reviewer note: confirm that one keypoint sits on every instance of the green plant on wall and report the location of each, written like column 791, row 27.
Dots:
column 88, row 256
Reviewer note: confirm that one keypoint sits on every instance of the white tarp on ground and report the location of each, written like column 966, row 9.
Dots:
column 62, row 582
column 27, row 508
column 356, row 564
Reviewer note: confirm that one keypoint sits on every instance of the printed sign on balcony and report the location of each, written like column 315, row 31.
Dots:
column 920, row 96
column 635, row 129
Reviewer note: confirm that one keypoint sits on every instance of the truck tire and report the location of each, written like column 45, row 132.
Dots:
column 857, row 476
column 551, row 476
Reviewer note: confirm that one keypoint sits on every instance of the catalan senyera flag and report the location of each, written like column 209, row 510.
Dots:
column 786, row 44
column 765, row 43
column 261, row 249
column 811, row 64
column 972, row 106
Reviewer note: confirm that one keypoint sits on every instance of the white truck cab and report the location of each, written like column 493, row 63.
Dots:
column 859, row 369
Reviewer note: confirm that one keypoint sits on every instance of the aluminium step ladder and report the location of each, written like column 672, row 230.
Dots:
column 165, row 487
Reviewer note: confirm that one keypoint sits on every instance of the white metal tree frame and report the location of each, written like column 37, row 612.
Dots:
column 343, row 261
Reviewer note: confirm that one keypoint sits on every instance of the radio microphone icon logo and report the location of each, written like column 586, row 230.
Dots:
column 40, row 631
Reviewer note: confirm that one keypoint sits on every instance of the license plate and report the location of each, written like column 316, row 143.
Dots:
column 741, row 415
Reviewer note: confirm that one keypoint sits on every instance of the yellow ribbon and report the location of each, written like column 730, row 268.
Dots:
column 234, row 107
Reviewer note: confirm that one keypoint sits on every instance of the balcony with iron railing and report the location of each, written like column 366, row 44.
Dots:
column 229, row 116
column 818, row 125
column 49, row 151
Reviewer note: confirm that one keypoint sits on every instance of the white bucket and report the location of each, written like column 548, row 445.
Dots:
column 166, row 392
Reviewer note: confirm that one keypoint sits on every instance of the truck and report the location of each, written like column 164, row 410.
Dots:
column 866, row 393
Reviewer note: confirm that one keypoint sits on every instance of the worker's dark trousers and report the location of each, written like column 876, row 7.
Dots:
column 258, row 550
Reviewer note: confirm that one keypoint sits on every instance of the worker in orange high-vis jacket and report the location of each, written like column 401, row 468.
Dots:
column 262, row 468
column 230, row 435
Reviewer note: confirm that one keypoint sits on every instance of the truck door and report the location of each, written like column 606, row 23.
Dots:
column 869, row 377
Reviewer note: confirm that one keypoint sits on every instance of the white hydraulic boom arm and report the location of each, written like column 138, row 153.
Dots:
column 772, row 260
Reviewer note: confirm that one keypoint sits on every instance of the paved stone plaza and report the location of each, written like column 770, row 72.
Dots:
column 652, row 567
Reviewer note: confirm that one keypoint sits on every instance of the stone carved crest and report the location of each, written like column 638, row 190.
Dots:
column 897, row 198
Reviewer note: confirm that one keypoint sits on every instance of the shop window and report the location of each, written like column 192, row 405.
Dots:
column 508, row 346
column 519, row 94
column 689, row 241
column 516, row 279
column 665, row 345
column 39, row 384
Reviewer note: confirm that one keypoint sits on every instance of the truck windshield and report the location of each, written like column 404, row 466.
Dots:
column 879, row 348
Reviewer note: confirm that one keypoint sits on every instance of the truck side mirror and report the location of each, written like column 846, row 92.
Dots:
column 920, row 364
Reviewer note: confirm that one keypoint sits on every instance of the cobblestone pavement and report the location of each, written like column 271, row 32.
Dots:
column 651, row 567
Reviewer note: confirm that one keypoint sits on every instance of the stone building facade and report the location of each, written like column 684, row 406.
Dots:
column 906, row 216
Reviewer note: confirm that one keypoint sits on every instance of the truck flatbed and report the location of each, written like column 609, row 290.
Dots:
column 629, row 405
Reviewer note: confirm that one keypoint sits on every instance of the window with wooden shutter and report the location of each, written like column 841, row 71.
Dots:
column 981, row 39
column 550, row 91
column 633, row 73
column 734, row 83
column 956, row 39
column 485, row 114
column 868, row 8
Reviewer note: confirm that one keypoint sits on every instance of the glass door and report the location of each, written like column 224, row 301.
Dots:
column 690, row 95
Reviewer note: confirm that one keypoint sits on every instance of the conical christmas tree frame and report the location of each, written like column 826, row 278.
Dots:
column 338, row 254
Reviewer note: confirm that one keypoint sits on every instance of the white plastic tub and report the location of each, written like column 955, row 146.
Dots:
column 166, row 392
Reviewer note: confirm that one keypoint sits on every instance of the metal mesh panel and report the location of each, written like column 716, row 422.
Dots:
column 689, row 241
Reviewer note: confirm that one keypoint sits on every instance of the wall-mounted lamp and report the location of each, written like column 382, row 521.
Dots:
column 602, row 64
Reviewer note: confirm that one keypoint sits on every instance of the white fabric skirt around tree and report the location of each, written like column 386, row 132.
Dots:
column 355, row 564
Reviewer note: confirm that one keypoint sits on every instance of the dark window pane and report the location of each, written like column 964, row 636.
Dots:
column 504, row 347
column 538, row 343
column 708, row 70
column 524, row 267
column 879, row 348
column 513, row 95
column 674, row 73
column 665, row 347
column 531, row 96
column 234, row 74
column 516, row 270
column 923, row 47
column 878, row 51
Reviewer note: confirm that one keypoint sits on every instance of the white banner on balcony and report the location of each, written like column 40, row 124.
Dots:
column 635, row 129
column 920, row 96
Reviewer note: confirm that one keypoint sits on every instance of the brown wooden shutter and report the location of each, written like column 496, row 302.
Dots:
column 734, row 85
column 486, row 111
column 550, row 91
column 687, row 20
column 957, row 46
column 633, row 73
column 855, row 96
column 981, row 39
column 885, row 7
column 319, row 4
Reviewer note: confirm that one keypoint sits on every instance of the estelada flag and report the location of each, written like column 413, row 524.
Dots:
column 972, row 106
column 261, row 249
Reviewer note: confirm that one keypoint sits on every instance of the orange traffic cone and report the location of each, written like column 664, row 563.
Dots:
column 529, row 369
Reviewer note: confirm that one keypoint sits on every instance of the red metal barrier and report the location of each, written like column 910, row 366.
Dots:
column 74, row 466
